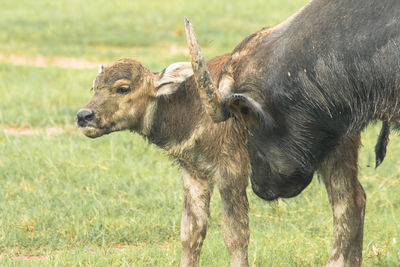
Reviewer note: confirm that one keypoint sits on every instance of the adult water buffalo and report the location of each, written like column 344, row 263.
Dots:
column 305, row 89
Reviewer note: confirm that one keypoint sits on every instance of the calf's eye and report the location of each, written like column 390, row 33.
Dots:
column 123, row 90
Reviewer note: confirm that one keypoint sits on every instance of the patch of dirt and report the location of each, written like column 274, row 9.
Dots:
column 174, row 50
column 26, row 257
column 65, row 62
column 41, row 61
column 33, row 131
column 74, row 63
column 37, row 254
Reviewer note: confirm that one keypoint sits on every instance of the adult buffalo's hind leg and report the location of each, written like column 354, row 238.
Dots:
column 347, row 197
column 195, row 215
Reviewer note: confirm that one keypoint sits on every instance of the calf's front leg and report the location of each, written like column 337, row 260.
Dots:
column 196, row 211
column 347, row 197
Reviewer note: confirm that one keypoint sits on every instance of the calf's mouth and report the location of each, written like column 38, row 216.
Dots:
column 87, row 122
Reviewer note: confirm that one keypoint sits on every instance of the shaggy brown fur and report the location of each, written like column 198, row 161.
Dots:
column 208, row 153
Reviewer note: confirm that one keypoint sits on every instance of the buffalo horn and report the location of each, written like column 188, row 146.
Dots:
column 207, row 90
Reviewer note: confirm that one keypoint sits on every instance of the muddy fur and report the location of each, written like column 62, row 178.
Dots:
column 209, row 154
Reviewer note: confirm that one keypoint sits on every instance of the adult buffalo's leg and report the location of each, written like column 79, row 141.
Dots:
column 197, row 194
column 347, row 197
column 235, row 221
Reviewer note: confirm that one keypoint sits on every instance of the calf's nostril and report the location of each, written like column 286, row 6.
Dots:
column 89, row 117
column 85, row 115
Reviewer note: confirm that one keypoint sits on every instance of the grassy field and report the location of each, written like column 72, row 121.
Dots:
column 66, row 200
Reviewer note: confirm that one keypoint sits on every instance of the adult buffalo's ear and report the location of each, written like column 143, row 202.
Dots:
column 168, row 81
column 248, row 112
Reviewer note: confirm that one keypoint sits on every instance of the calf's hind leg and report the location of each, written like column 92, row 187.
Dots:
column 347, row 197
column 196, row 206
column 235, row 220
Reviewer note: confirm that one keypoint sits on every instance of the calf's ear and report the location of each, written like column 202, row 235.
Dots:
column 168, row 81
column 248, row 112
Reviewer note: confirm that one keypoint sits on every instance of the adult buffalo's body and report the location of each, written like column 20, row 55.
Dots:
column 325, row 73
column 290, row 100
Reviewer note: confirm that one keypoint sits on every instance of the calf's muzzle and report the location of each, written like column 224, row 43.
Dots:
column 84, row 116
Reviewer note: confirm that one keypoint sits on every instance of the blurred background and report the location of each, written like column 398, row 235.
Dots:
column 68, row 200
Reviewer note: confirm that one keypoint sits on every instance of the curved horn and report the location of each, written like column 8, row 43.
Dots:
column 208, row 93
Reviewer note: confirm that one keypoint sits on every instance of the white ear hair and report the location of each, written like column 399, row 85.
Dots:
column 169, row 80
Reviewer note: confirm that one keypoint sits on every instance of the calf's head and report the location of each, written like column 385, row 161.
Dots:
column 125, row 96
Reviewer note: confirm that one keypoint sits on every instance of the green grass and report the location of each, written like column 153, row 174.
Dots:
column 41, row 97
column 77, row 200
column 105, row 30
column 116, row 201
column 66, row 197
